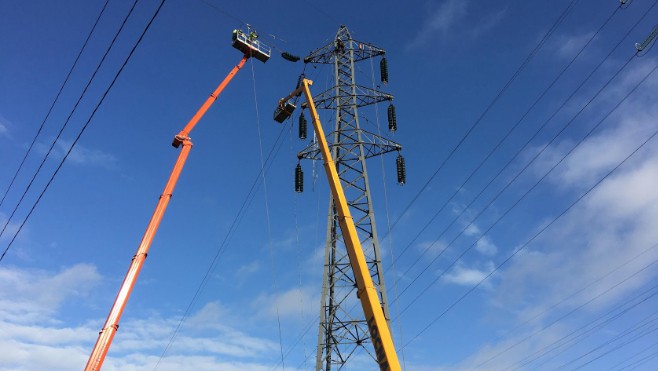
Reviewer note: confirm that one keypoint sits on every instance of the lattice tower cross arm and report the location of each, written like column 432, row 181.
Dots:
column 379, row 332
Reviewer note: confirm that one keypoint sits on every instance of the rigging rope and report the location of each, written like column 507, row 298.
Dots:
column 267, row 214
column 246, row 203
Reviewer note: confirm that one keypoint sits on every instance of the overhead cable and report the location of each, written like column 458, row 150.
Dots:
column 84, row 127
column 61, row 88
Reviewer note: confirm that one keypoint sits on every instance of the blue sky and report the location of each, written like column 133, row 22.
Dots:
column 577, row 291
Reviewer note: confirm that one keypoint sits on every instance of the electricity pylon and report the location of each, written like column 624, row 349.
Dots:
column 343, row 331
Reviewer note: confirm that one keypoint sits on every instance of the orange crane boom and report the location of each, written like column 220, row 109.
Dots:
column 250, row 47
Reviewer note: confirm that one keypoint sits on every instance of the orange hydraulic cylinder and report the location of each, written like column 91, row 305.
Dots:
column 111, row 326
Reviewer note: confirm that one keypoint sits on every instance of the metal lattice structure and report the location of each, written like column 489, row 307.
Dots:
column 343, row 332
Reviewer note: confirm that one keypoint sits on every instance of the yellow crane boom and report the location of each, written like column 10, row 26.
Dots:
column 380, row 334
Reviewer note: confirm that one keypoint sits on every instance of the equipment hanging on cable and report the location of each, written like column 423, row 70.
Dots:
column 290, row 57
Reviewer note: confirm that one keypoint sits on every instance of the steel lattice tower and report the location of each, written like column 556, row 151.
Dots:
column 343, row 333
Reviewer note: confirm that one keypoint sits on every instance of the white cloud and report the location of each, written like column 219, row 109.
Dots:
column 290, row 303
column 609, row 226
column 33, row 334
column 497, row 356
column 431, row 250
column 567, row 46
column 446, row 19
column 10, row 229
column 485, row 247
column 472, row 230
column 441, row 20
column 80, row 155
column 212, row 330
column 595, row 244
column 247, row 270
column 84, row 156
column 596, row 156
column 33, row 296
column 484, row 25
column 4, row 132
column 461, row 275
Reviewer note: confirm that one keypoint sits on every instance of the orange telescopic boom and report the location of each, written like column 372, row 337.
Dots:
column 251, row 48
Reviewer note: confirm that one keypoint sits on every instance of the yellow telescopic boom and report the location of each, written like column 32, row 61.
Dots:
column 379, row 331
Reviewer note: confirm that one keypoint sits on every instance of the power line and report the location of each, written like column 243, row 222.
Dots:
column 61, row 88
column 66, row 122
column 84, row 127
column 555, row 305
column 547, row 225
column 650, row 320
column 565, row 315
column 595, row 324
column 540, row 152
column 527, row 143
column 584, row 81
column 643, row 360
column 498, row 95
column 246, row 203
column 551, row 117
column 495, row 148
column 651, row 346
column 223, row 11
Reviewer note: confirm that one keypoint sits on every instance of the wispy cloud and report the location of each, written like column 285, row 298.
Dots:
column 566, row 46
column 290, row 303
column 247, row 270
column 441, row 20
column 595, row 244
column 86, row 156
column 32, row 296
column 11, row 228
column 4, row 132
column 464, row 276
column 487, row 23
column 80, row 155
column 484, row 244
column 449, row 16
column 33, row 337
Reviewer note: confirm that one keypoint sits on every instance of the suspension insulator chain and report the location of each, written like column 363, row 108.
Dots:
column 302, row 126
column 383, row 69
column 299, row 179
column 402, row 170
column 392, row 120
column 299, row 83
